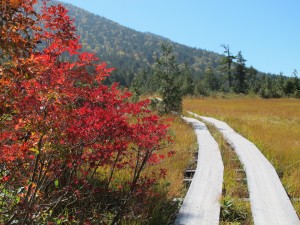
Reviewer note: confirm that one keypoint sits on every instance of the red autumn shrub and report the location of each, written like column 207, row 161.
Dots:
column 65, row 138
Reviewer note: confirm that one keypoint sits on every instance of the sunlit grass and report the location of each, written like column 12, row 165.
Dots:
column 273, row 125
column 185, row 145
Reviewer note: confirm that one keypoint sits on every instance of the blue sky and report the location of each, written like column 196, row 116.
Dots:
column 266, row 31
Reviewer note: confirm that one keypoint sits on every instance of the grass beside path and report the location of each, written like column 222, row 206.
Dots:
column 273, row 125
column 163, row 210
column 185, row 146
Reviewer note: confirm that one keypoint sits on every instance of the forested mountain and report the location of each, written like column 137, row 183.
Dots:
column 134, row 55
column 129, row 50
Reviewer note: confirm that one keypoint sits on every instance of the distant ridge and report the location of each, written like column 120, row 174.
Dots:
column 133, row 54
column 127, row 49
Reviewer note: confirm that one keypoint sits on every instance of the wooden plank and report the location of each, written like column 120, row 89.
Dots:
column 189, row 173
column 269, row 201
column 201, row 204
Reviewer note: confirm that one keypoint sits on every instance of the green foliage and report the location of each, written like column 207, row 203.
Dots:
column 228, row 61
column 168, row 77
column 200, row 88
column 231, row 211
column 279, row 86
column 187, row 81
column 240, row 74
column 211, row 82
column 290, row 87
column 252, row 81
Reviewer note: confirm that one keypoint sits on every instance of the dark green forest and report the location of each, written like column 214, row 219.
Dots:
column 135, row 56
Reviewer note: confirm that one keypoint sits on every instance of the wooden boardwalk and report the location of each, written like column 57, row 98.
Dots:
column 201, row 204
column 269, row 201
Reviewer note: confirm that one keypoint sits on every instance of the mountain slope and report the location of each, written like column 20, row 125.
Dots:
column 130, row 50
column 133, row 53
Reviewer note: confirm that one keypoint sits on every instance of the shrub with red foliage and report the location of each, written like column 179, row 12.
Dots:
column 63, row 134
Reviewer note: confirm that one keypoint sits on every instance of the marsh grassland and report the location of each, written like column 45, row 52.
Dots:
column 185, row 146
column 272, row 124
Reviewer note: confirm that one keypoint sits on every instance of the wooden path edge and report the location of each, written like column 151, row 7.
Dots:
column 201, row 204
column 269, row 201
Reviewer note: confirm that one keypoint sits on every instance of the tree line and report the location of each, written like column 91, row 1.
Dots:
column 134, row 55
column 230, row 76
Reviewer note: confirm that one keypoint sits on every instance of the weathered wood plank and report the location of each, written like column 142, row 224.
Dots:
column 269, row 201
column 201, row 204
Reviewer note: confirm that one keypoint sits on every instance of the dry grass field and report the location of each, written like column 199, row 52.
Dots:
column 185, row 145
column 272, row 124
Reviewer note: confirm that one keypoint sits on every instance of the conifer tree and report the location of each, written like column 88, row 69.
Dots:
column 167, row 76
column 211, row 82
column 228, row 60
column 251, row 79
column 240, row 74
column 187, row 81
